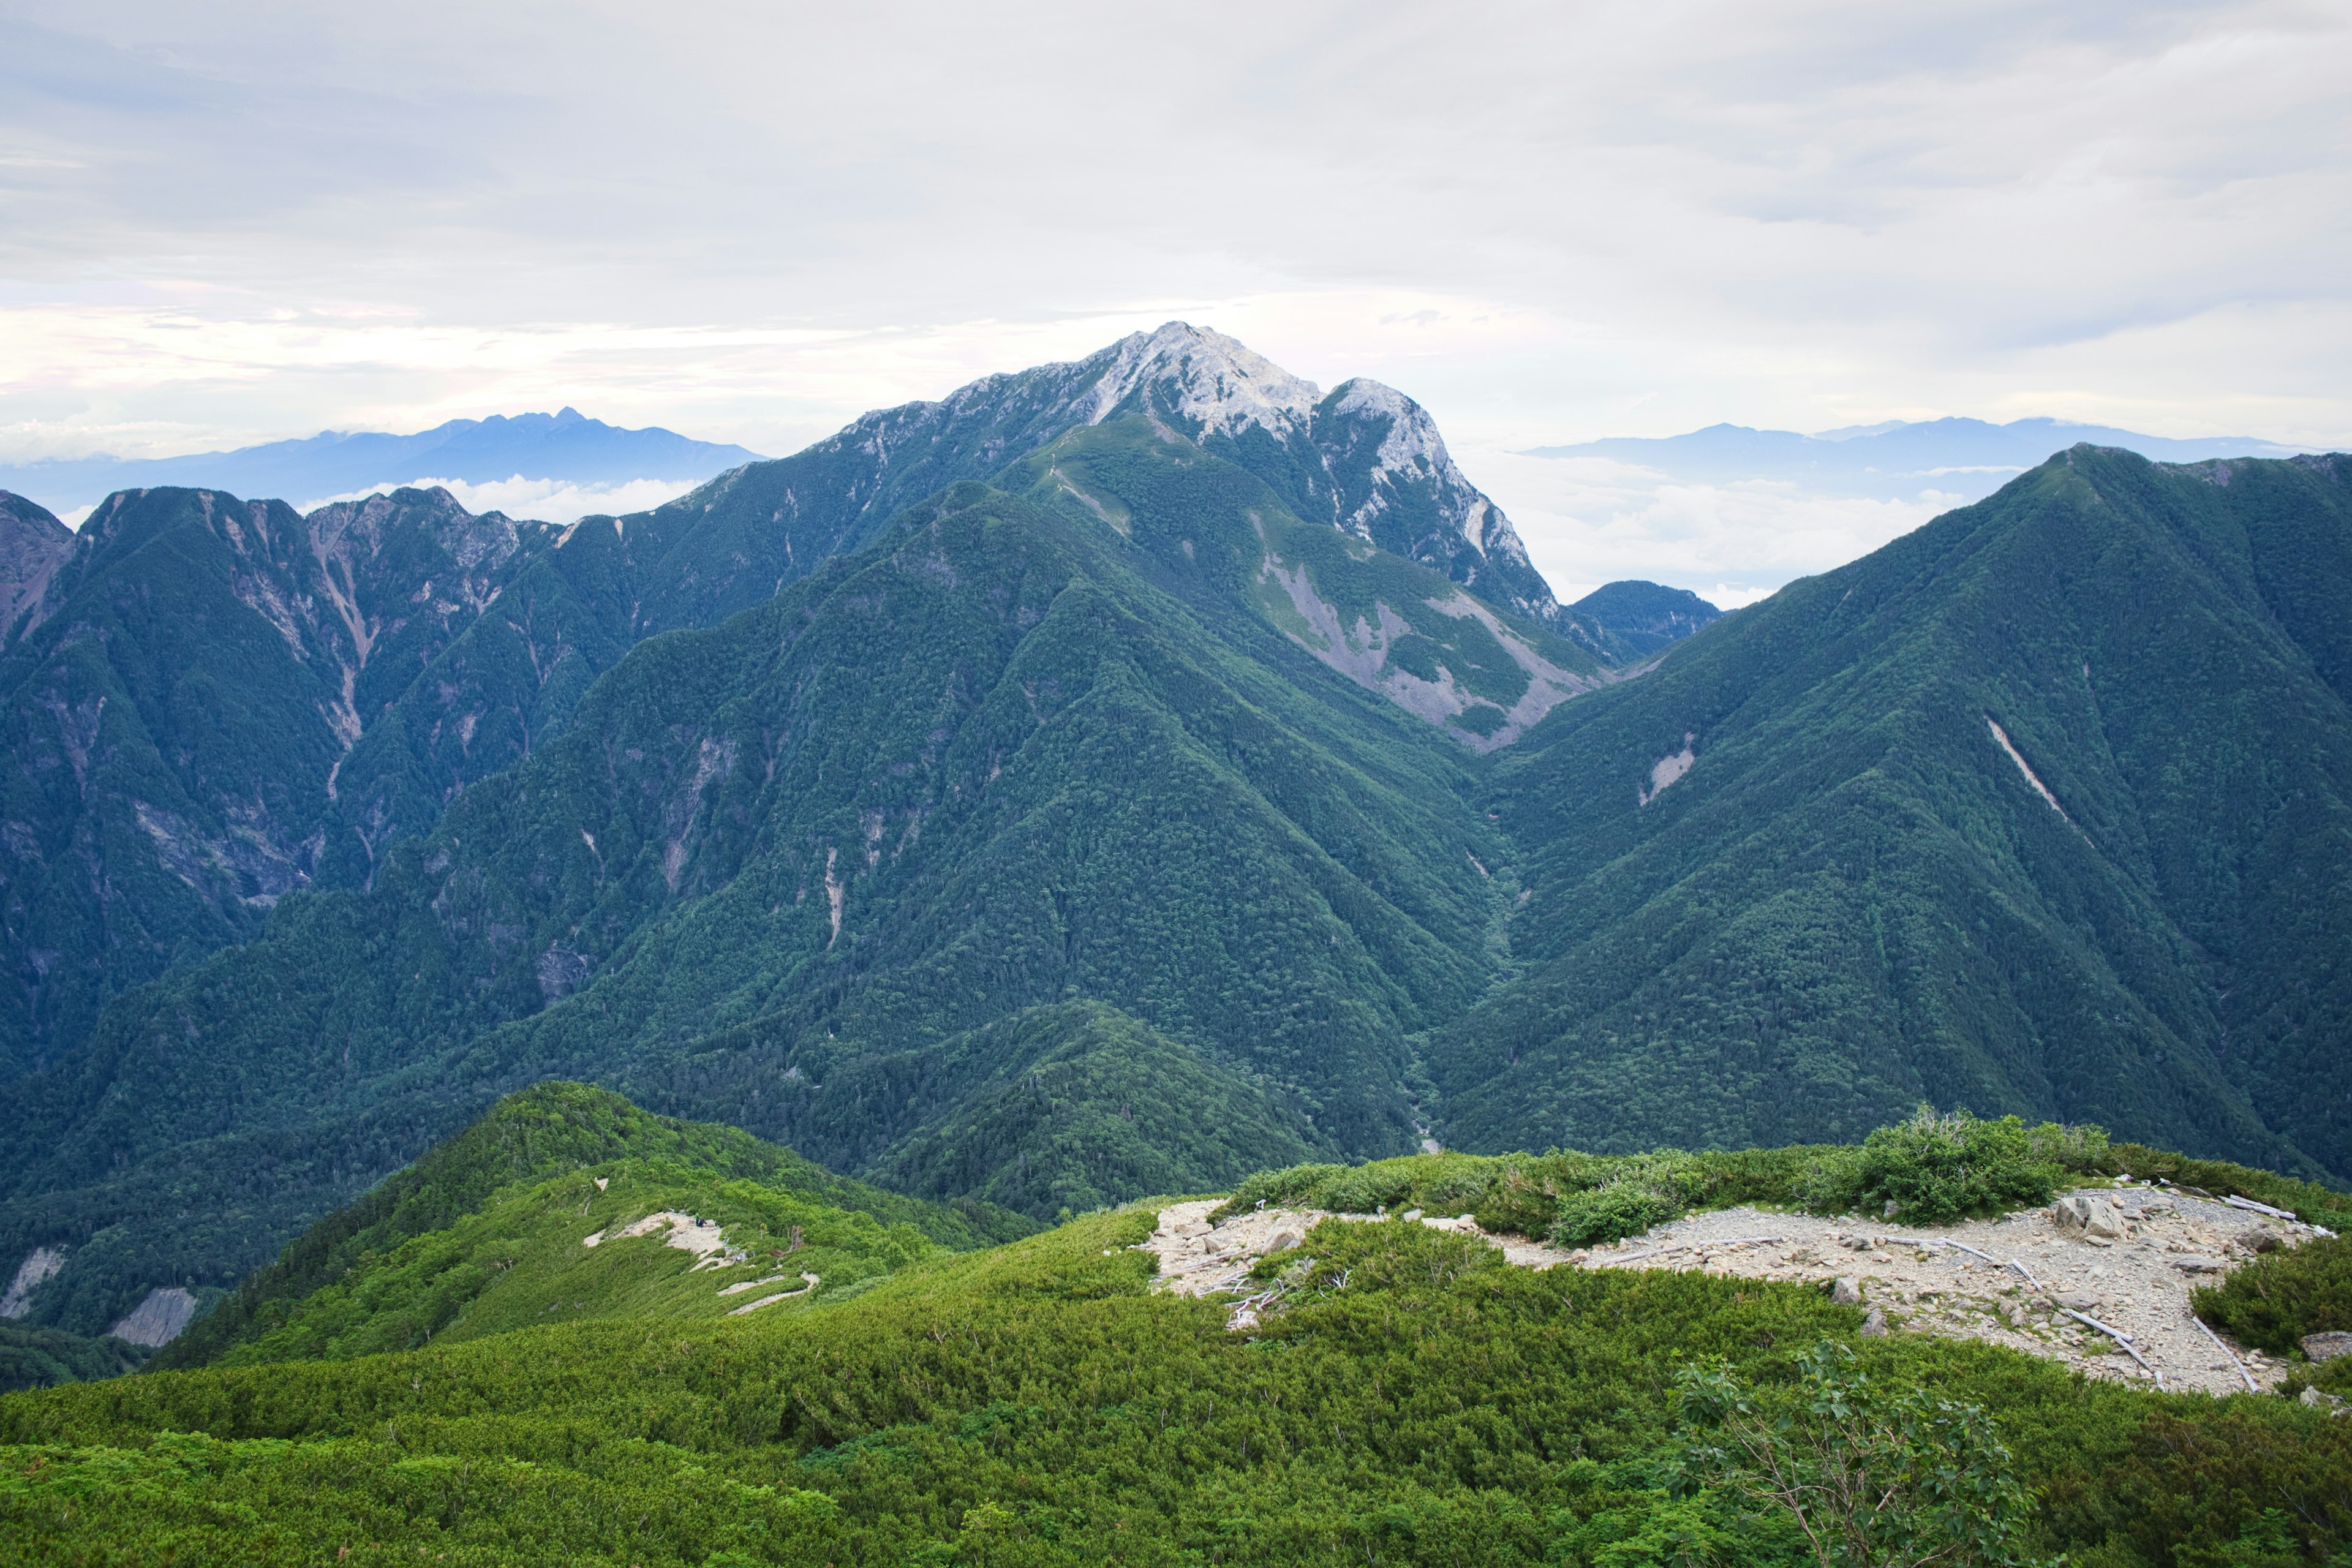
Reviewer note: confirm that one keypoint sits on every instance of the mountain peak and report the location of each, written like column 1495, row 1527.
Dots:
column 1214, row 382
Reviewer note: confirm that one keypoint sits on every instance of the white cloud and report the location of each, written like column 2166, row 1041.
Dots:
column 1589, row 520
column 542, row 501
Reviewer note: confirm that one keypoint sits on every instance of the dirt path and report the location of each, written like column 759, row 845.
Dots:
column 2025, row 1280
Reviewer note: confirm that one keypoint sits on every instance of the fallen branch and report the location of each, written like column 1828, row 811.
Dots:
column 2122, row 1339
column 2249, row 1204
column 2251, row 1386
column 1684, row 1247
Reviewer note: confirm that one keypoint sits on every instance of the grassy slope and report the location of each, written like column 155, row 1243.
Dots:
column 1855, row 900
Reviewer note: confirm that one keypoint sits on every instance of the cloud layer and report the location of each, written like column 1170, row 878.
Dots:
column 234, row 223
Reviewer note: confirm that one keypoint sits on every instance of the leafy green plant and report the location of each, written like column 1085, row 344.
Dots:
column 2271, row 1303
column 1933, row 1169
column 1872, row 1479
column 1646, row 1191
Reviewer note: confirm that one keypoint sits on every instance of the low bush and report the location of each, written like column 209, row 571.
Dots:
column 1934, row 1169
column 2271, row 1303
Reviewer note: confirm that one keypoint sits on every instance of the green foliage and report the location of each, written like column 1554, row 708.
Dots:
column 1871, row 1477
column 1078, row 1106
column 1934, row 1169
column 1855, row 898
column 1649, row 1193
column 1418, row 1401
column 398, row 1265
column 42, row 1358
column 2274, row 1300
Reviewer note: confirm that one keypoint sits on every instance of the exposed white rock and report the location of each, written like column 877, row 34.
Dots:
column 39, row 1266
column 2027, row 1280
column 159, row 1320
column 706, row 1238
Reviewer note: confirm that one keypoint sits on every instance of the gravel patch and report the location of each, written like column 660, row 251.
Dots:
column 2112, row 1305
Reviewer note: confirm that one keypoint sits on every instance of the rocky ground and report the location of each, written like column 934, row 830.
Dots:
column 2100, row 1279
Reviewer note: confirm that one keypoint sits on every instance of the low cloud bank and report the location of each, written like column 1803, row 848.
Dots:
column 547, row 500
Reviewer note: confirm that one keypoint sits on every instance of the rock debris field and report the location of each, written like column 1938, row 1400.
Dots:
column 2100, row 1279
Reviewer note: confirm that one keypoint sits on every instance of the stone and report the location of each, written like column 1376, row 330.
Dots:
column 1873, row 1327
column 2193, row 1263
column 2327, row 1346
column 2077, row 1301
column 2334, row 1405
column 1846, row 1291
column 2088, row 1213
column 1284, row 1240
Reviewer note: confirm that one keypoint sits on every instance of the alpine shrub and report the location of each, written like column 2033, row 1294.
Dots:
column 1934, row 1169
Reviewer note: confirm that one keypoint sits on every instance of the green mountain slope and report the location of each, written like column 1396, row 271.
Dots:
column 564, row 1204
column 285, row 699
column 1013, row 755
column 396, row 1250
column 1411, row 1400
column 178, row 699
column 2044, row 807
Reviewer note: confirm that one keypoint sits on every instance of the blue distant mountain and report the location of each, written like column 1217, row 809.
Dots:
column 567, row 447
column 1966, row 457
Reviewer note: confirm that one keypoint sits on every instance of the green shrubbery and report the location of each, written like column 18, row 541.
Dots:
column 1928, row 1169
column 2271, row 1303
column 1421, row 1404
column 1934, row 1169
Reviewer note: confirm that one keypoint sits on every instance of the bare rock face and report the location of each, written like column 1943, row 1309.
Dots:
column 33, row 544
column 159, row 1320
column 39, row 1266
column 2327, row 1346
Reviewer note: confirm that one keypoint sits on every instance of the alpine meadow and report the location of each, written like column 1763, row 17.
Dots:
column 1098, row 970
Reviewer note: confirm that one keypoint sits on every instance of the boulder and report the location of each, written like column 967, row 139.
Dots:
column 1846, row 1291
column 2327, row 1346
column 1284, row 1240
column 2090, row 1213
column 1873, row 1327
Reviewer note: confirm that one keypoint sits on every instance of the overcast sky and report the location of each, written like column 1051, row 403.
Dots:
column 221, row 224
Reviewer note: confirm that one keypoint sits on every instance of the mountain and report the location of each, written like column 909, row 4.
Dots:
column 180, row 689
column 1643, row 617
column 519, row 1220
column 1963, row 459
column 302, row 693
column 2046, row 805
column 1027, row 795
column 566, row 445
column 1124, row 731
column 1364, row 458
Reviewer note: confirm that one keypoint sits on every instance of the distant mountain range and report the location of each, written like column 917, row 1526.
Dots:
column 1962, row 459
column 566, row 445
